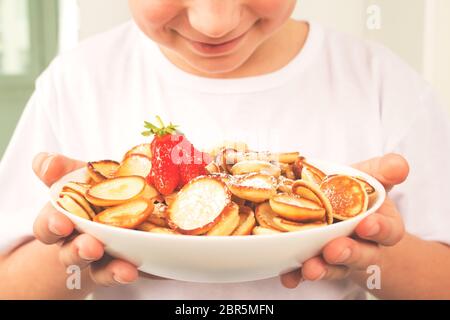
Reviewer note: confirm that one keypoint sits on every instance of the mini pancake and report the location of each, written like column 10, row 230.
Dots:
column 246, row 222
column 159, row 215
column 285, row 185
column 229, row 220
column 312, row 192
column 170, row 198
column 135, row 165
column 150, row 227
column 306, row 171
column 236, row 145
column 291, row 226
column 265, row 215
column 142, row 149
column 150, row 193
column 163, row 230
column 70, row 205
column 281, row 157
column 262, row 231
column 213, row 168
column 255, row 166
column 238, row 201
column 81, row 189
column 347, row 196
column 127, row 215
column 311, row 176
column 287, row 170
column 226, row 158
column 294, row 208
column 297, row 167
column 79, row 199
column 78, row 187
column 255, row 187
column 146, row 226
column 199, row 206
column 253, row 155
column 116, row 191
column 371, row 192
column 284, row 157
column 101, row 170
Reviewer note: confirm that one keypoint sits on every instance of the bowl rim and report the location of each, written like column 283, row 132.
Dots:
column 381, row 196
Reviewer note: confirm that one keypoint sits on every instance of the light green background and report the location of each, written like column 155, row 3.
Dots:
column 16, row 90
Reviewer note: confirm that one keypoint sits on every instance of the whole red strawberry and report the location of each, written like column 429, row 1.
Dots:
column 164, row 175
column 175, row 161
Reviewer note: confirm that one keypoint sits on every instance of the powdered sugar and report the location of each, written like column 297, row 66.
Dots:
column 199, row 204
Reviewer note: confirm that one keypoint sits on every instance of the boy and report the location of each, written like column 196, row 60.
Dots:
column 244, row 71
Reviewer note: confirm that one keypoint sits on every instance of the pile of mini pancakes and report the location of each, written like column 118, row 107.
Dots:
column 245, row 193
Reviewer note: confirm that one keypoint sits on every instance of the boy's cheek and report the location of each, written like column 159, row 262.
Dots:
column 271, row 8
column 155, row 14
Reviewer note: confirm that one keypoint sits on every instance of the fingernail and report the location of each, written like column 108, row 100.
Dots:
column 46, row 164
column 85, row 257
column 118, row 279
column 345, row 254
column 53, row 227
column 373, row 230
column 322, row 275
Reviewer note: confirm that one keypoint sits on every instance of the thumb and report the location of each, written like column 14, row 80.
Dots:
column 390, row 169
column 51, row 167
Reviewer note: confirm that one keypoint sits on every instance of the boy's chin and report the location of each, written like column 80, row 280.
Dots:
column 218, row 68
column 228, row 66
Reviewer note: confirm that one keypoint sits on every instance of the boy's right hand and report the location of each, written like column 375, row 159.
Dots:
column 83, row 250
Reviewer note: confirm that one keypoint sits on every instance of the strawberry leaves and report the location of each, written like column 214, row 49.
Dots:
column 160, row 130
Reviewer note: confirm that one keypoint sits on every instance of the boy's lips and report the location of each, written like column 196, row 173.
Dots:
column 216, row 49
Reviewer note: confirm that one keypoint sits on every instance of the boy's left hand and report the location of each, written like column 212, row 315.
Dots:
column 385, row 227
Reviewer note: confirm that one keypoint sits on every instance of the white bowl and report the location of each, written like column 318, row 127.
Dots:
column 218, row 259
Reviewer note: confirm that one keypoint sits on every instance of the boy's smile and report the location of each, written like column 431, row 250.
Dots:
column 214, row 48
column 217, row 38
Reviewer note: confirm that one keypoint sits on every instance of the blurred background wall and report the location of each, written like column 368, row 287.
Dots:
column 417, row 30
column 28, row 42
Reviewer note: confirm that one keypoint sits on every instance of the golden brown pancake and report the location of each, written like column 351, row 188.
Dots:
column 347, row 196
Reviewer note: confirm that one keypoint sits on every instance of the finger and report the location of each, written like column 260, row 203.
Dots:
column 81, row 251
column 390, row 170
column 108, row 272
column 292, row 279
column 51, row 226
column 51, row 167
column 354, row 254
column 384, row 227
column 316, row 269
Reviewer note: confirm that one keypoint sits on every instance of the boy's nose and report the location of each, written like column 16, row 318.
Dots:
column 214, row 18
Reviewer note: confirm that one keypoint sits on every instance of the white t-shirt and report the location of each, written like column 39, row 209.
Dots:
column 340, row 99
